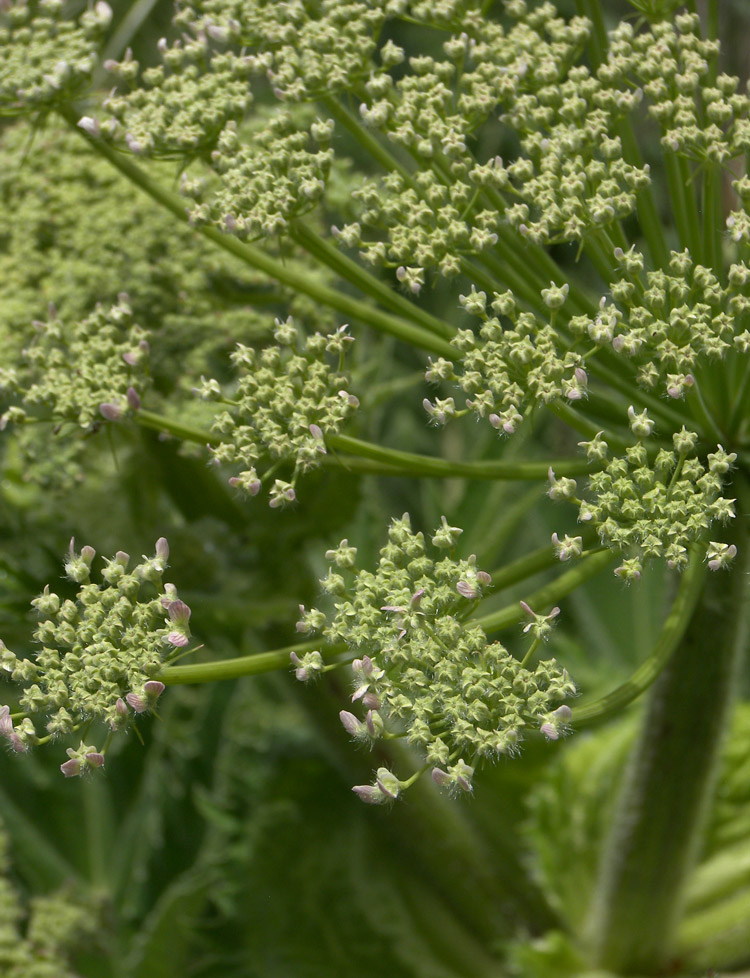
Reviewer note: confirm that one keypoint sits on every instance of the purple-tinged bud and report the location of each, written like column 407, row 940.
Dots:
column 72, row 768
column 179, row 612
column 441, row 778
column 88, row 554
column 95, row 759
column 388, row 783
column 121, row 714
column 133, row 145
column 374, row 724
column 416, row 598
column 131, row 359
column 550, row 731
column 466, row 590
column 300, row 671
column 369, row 793
column 111, row 412
column 136, row 702
column 89, row 125
column 350, row 399
column 178, row 639
column 352, row 724
column 371, row 701
column 484, row 578
column 153, row 689
column 162, row 550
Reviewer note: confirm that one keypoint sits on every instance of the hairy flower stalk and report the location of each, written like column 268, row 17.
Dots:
column 664, row 800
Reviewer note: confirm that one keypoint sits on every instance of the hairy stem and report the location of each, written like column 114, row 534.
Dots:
column 670, row 636
column 656, row 834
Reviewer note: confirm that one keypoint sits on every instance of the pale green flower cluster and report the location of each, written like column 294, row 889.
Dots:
column 180, row 107
column 668, row 321
column 35, row 941
column 285, row 401
column 45, row 58
column 98, row 653
column 85, row 373
column 506, row 371
column 427, row 671
column 645, row 507
column 700, row 116
column 304, row 50
column 268, row 176
column 568, row 178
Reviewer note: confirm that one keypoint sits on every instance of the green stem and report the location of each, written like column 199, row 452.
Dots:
column 583, row 426
column 598, row 40
column 671, row 635
column 329, row 255
column 291, row 276
column 513, row 614
column 712, row 219
column 538, row 560
column 372, row 146
column 648, row 215
column 244, row 665
column 661, row 811
column 158, row 422
column 677, row 196
column 425, row 465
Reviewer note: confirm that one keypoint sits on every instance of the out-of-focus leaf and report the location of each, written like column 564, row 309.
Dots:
column 165, row 943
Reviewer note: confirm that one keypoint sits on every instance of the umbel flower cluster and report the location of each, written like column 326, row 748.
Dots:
column 286, row 400
column 667, row 321
column 84, row 373
column 268, row 176
column 423, row 669
column 45, row 58
column 507, row 371
column 646, row 506
column 98, row 653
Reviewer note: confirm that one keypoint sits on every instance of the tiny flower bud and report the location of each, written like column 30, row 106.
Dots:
column 112, row 412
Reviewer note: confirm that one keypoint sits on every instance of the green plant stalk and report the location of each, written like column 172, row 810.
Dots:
column 598, row 40
column 424, row 465
column 657, row 829
column 543, row 558
column 563, row 585
column 691, row 209
column 243, row 665
column 158, row 422
column 292, row 277
column 672, row 633
column 712, row 222
column 677, row 196
column 327, row 254
column 648, row 215
column 391, row 461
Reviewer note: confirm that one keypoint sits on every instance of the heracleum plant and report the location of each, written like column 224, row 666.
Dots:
column 294, row 267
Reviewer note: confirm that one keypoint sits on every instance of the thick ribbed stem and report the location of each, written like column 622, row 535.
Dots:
column 669, row 782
